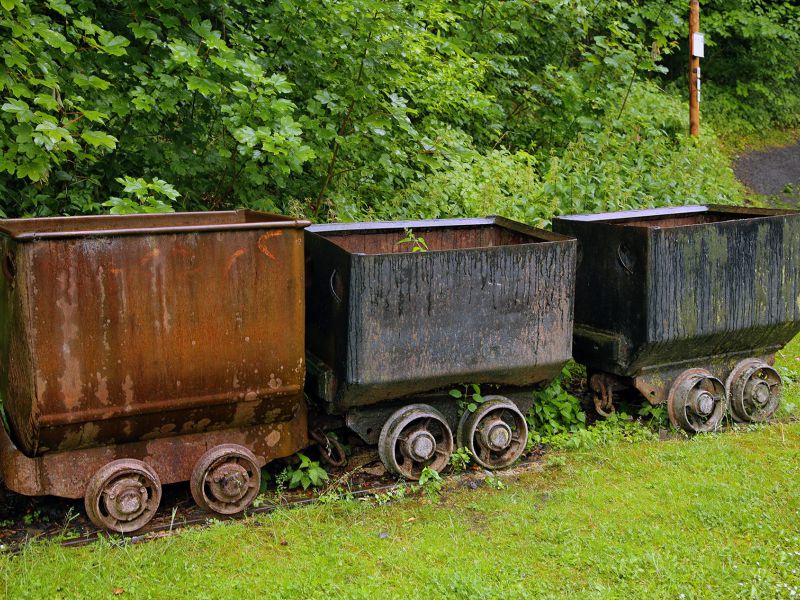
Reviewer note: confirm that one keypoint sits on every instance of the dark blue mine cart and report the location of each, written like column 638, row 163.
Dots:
column 392, row 326
column 688, row 305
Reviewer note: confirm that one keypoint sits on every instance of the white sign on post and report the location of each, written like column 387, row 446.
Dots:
column 698, row 45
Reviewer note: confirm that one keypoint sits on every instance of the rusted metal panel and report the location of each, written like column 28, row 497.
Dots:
column 682, row 285
column 654, row 383
column 67, row 473
column 120, row 329
column 490, row 302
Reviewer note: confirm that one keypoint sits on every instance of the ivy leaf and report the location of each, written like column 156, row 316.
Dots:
column 99, row 138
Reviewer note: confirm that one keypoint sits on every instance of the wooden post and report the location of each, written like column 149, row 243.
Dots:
column 694, row 69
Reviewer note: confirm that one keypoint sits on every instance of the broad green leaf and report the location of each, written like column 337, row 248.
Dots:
column 182, row 53
column 202, row 85
column 60, row 6
column 99, row 139
column 92, row 81
column 15, row 106
column 47, row 102
column 94, row 115
column 55, row 39
column 246, row 136
column 113, row 44
column 35, row 170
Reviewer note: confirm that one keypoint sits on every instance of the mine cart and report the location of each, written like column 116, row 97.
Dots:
column 150, row 349
column 399, row 314
column 687, row 305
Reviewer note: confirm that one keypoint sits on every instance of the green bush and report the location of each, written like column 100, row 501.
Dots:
column 363, row 108
column 645, row 162
column 555, row 411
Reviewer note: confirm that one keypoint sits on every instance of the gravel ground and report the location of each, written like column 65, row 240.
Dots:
column 769, row 172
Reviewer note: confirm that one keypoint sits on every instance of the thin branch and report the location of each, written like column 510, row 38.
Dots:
column 342, row 128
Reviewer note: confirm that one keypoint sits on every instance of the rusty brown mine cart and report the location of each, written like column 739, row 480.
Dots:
column 687, row 305
column 150, row 349
column 393, row 326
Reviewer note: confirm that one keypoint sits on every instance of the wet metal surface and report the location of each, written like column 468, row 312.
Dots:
column 672, row 286
column 490, row 302
column 131, row 329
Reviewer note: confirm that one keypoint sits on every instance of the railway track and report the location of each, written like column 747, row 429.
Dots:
column 171, row 521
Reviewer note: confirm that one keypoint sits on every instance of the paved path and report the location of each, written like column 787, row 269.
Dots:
column 769, row 172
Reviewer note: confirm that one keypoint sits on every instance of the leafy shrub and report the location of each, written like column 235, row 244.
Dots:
column 469, row 399
column 555, row 411
column 431, row 482
column 362, row 108
column 143, row 196
column 460, row 459
column 307, row 473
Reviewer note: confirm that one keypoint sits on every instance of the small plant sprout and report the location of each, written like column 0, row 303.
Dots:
column 460, row 460
column 430, row 481
column 657, row 415
column 307, row 473
column 418, row 244
column 495, row 483
column 469, row 399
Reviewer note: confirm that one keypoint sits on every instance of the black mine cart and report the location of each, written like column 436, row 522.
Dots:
column 688, row 305
column 392, row 326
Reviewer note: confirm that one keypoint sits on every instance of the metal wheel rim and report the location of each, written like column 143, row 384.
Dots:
column 470, row 424
column 115, row 488
column 679, row 406
column 743, row 408
column 414, row 417
column 239, row 469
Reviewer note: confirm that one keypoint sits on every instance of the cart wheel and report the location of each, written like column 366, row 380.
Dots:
column 414, row 437
column 495, row 434
column 226, row 479
column 123, row 495
column 754, row 391
column 696, row 401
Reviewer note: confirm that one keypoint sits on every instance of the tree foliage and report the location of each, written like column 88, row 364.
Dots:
column 361, row 108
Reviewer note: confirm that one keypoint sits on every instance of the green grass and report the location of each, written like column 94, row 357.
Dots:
column 735, row 143
column 788, row 364
column 715, row 516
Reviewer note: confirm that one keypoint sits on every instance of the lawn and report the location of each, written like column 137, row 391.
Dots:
column 715, row 516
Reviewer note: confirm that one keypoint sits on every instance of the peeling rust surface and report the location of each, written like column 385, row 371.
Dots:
column 123, row 329
column 674, row 286
column 67, row 473
column 491, row 302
